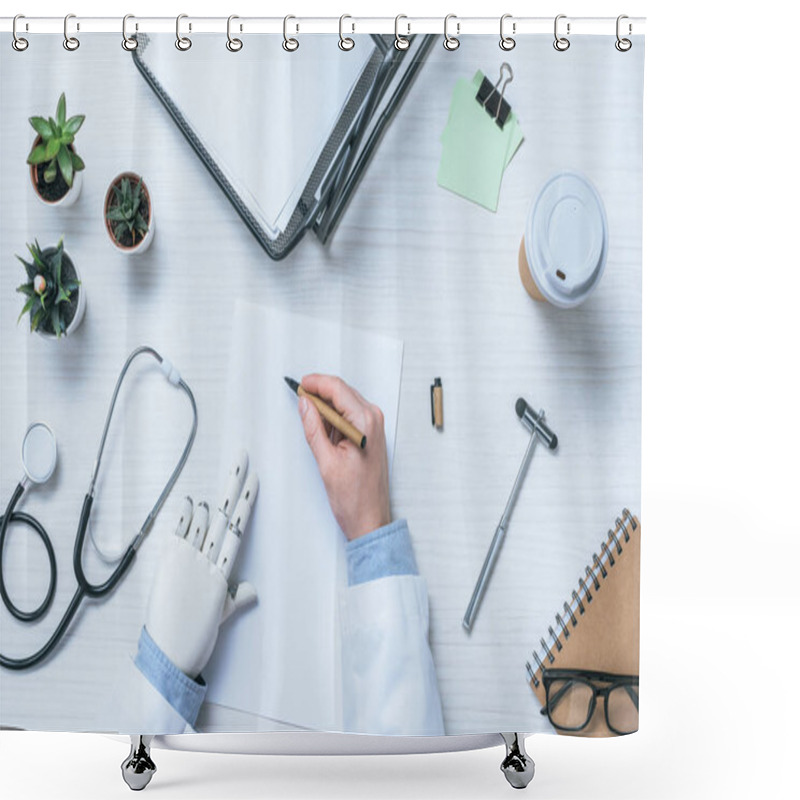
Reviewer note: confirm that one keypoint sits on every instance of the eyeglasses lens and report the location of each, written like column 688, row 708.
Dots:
column 569, row 703
column 623, row 709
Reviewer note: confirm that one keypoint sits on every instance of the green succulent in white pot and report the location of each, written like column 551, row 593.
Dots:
column 55, row 166
column 55, row 300
column 128, row 212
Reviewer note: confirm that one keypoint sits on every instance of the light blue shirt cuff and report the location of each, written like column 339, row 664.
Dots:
column 383, row 552
column 178, row 689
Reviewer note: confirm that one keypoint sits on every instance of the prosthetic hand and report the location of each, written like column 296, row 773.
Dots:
column 190, row 597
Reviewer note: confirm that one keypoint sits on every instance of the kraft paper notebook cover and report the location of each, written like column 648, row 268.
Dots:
column 604, row 637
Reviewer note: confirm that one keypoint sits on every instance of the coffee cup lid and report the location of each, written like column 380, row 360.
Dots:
column 566, row 239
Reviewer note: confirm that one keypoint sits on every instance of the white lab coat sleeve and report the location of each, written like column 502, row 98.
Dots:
column 139, row 708
column 388, row 676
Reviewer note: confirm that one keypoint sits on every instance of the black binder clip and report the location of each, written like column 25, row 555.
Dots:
column 492, row 100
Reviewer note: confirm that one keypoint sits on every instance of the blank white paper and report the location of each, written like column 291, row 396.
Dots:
column 281, row 658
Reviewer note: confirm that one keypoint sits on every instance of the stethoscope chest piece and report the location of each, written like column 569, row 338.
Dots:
column 39, row 453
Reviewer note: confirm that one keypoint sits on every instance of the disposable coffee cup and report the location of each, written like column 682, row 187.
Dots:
column 563, row 252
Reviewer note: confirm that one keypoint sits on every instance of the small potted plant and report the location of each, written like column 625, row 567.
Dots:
column 55, row 299
column 55, row 166
column 129, row 213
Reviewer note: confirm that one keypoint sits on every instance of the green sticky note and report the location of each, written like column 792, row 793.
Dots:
column 516, row 137
column 475, row 150
column 515, row 140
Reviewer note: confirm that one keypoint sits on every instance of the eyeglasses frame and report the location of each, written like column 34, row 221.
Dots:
column 586, row 677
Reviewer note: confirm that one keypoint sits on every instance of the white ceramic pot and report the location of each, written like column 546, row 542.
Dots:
column 81, row 309
column 66, row 200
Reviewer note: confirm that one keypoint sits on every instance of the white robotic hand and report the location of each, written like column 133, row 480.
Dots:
column 190, row 597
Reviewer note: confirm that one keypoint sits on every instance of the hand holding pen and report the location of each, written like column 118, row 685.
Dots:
column 356, row 477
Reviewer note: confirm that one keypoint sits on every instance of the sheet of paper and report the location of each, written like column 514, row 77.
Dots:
column 475, row 151
column 280, row 658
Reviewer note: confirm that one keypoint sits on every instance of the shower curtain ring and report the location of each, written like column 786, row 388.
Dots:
column 128, row 42
column 507, row 42
column 233, row 44
column 183, row 43
column 18, row 42
column 289, row 44
column 71, row 43
column 451, row 42
column 623, row 45
column 345, row 42
column 561, row 43
column 401, row 42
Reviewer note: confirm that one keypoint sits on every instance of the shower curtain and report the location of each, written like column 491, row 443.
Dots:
column 441, row 247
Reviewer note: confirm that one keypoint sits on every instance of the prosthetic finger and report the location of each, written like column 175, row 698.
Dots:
column 238, row 524
column 220, row 519
column 197, row 531
column 185, row 519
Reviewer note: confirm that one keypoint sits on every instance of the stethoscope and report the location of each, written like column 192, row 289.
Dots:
column 39, row 454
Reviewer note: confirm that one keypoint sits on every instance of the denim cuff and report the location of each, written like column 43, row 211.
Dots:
column 178, row 689
column 383, row 552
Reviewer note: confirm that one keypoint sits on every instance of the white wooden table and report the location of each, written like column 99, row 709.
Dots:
column 409, row 259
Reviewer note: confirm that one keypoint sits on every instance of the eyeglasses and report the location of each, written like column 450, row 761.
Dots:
column 571, row 699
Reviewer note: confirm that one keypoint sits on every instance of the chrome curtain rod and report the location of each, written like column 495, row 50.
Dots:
column 404, row 25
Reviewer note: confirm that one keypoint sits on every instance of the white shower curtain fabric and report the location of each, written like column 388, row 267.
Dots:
column 456, row 236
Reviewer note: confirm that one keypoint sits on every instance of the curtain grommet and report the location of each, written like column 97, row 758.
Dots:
column 451, row 43
column 129, row 43
column 401, row 43
column 19, row 43
column 183, row 43
column 507, row 42
column 290, row 44
column 233, row 44
column 71, row 43
column 561, row 43
column 345, row 42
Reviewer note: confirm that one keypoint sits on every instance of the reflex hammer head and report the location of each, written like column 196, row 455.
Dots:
column 535, row 423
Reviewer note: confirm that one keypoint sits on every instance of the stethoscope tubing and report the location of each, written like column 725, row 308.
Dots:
column 20, row 516
column 85, row 588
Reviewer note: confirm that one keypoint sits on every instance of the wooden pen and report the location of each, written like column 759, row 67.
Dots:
column 330, row 415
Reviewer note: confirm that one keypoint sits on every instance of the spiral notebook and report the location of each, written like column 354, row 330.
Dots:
column 597, row 627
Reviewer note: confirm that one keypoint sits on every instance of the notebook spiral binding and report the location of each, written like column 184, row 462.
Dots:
column 596, row 572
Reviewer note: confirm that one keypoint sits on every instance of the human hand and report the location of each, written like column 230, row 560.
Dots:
column 357, row 481
column 190, row 597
